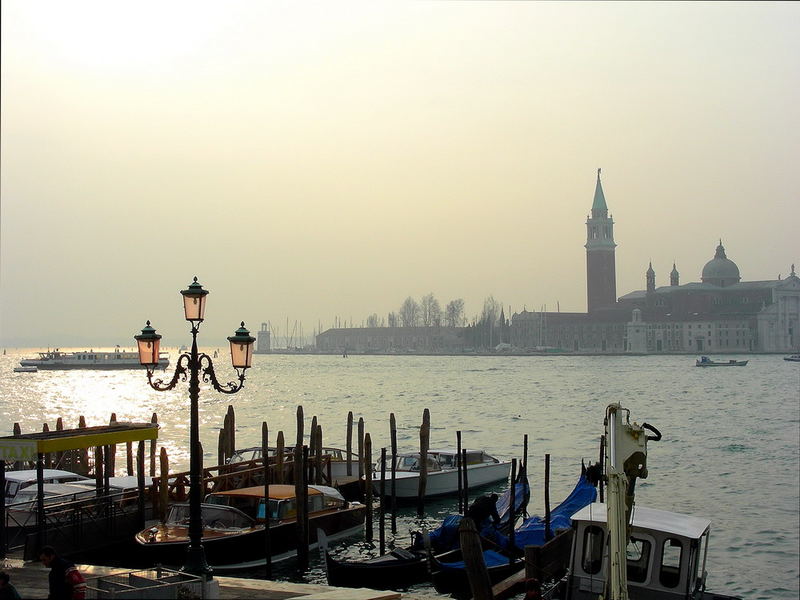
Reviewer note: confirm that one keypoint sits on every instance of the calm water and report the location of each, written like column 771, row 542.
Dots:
column 730, row 450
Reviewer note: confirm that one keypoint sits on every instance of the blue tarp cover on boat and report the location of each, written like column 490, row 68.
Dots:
column 531, row 532
column 490, row 557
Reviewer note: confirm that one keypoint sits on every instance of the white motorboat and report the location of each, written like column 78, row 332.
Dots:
column 442, row 467
column 19, row 480
column 90, row 359
column 22, row 511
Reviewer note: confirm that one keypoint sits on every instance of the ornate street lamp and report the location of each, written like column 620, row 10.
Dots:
column 191, row 363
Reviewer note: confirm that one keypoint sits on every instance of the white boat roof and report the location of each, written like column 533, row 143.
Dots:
column 121, row 482
column 52, row 489
column 650, row 518
column 328, row 491
column 30, row 474
column 443, row 451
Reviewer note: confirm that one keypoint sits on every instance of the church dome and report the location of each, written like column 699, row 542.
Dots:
column 720, row 270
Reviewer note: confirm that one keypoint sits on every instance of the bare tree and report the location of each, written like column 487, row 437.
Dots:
column 454, row 313
column 430, row 311
column 393, row 320
column 491, row 311
column 409, row 313
column 373, row 320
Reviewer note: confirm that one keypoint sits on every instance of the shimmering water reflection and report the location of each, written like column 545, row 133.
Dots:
column 730, row 450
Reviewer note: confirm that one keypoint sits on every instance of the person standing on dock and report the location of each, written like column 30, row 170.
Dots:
column 66, row 582
column 7, row 591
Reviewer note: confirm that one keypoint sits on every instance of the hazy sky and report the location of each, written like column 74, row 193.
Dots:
column 308, row 160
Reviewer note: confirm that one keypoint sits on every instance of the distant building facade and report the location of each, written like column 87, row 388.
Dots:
column 391, row 339
column 263, row 340
column 719, row 314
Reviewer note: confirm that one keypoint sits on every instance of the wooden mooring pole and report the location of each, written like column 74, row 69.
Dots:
column 424, row 445
column 154, row 421
column 463, row 465
column 460, row 482
column 265, row 455
column 368, row 486
column 279, row 452
column 472, row 553
column 163, row 486
column 393, row 435
column 548, row 535
column 349, row 443
column 382, row 506
column 512, row 506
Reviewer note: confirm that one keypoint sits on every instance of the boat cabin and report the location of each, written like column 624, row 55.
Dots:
column 282, row 501
column 439, row 460
column 666, row 554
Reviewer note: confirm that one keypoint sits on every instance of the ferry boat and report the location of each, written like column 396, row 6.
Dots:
column 90, row 359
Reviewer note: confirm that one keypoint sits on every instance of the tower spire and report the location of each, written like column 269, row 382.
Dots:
column 599, row 207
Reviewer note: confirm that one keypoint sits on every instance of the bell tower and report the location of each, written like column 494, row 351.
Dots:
column 601, row 275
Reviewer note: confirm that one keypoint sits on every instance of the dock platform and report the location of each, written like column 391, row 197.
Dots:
column 30, row 579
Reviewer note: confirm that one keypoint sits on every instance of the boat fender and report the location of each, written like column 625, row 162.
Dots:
column 652, row 438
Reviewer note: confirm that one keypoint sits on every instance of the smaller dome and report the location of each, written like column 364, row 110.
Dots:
column 720, row 270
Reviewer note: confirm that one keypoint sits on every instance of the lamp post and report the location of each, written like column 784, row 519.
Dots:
column 191, row 364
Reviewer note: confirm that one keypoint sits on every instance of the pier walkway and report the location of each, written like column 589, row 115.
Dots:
column 30, row 579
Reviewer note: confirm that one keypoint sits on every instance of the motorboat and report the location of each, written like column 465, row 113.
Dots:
column 22, row 511
column 30, row 369
column 704, row 361
column 792, row 358
column 621, row 549
column 20, row 480
column 442, row 473
column 234, row 535
column 402, row 567
column 90, row 359
column 666, row 555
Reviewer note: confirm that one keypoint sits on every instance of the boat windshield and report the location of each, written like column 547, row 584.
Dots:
column 213, row 516
column 412, row 463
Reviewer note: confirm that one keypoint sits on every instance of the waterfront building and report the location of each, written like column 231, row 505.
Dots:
column 389, row 340
column 720, row 313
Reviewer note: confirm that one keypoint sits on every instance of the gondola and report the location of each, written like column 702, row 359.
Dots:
column 403, row 567
column 501, row 558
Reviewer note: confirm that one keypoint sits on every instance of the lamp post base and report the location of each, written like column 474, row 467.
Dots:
column 196, row 563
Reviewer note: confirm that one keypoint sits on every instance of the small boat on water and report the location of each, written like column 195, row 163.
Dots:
column 792, row 358
column 90, row 359
column 442, row 468
column 233, row 526
column 31, row 369
column 704, row 361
